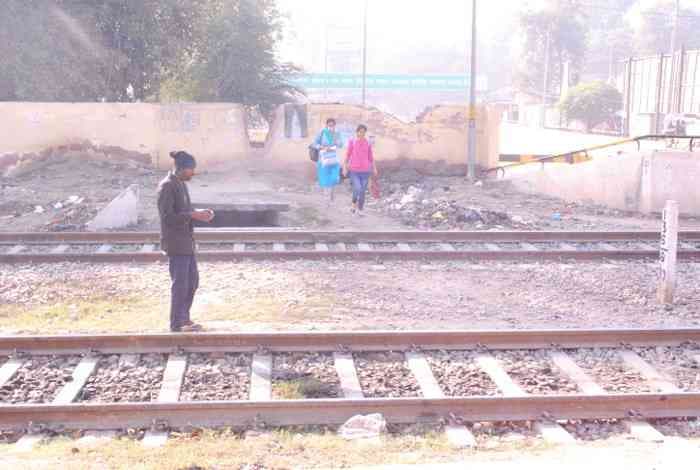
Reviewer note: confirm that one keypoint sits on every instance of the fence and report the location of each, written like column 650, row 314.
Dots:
column 659, row 85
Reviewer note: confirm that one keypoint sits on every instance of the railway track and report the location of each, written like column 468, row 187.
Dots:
column 241, row 245
column 550, row 378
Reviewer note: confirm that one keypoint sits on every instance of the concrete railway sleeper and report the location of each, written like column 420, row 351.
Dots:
column 553, row 380
column 290, row 245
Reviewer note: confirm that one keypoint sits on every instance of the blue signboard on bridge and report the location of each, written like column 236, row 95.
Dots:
column 385, row 82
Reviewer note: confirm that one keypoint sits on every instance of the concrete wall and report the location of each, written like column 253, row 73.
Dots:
column 213, row 132
column 438, row 138
column 630, row 182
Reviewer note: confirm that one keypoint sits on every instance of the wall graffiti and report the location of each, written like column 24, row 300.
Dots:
column 179, row 119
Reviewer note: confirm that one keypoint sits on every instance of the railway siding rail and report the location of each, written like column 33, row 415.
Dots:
column 666, row 401
column 371, row 356
column 290, row 245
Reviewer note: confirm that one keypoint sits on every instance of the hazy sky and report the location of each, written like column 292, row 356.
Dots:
column 399, row 25
column 392, row 24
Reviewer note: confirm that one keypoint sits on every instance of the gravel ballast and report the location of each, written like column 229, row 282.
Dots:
column 39, row 379
column 216, row 377
column 305, row 375
column 459, row 376
column 385, row 375
column 125, row 378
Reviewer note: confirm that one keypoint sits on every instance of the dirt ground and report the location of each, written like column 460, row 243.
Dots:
column 67, row 194
column 331, row 295
column 287, row 450
column 325, row 295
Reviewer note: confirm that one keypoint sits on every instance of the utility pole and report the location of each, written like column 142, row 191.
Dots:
column 545, row 85
column 674, row 46
column 471, row 136
column 364, row 58
column 325, row 67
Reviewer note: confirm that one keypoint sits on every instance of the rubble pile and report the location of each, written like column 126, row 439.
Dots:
column 423, row 207
column 63, row 187
column 13, row 165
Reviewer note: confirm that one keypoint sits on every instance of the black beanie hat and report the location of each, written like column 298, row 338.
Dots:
column 183, row 160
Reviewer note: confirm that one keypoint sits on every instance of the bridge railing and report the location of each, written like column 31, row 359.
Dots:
column 583, row 155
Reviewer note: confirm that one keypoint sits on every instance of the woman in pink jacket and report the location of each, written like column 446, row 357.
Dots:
column 359, row 165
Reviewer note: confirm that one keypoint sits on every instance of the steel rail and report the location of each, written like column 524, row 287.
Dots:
column 374, row 255
column 336, row 411
column 341, row 236
column 346, row 341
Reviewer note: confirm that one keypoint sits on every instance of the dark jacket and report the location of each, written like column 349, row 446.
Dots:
column 174, row 208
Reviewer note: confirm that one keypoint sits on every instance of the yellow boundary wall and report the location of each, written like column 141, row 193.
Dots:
column 214, row 132
column 438, row 135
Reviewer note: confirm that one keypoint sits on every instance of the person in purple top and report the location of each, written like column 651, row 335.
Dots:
column 359, row 165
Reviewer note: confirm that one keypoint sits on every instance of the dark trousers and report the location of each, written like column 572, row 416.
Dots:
column 185, row 280
column 359, row 180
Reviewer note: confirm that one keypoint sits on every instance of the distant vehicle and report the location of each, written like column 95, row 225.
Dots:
column 676, row 124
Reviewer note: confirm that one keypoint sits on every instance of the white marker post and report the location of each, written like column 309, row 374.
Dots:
column 668, row 254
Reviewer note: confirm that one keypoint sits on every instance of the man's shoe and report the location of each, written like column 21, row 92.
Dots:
column 190, row 328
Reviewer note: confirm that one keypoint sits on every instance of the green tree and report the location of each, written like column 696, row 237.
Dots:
column 142, row 40
column 562, row 24
column 41, row 59
column 654, row 34
column 591, row 103
column 610, row 36
column 234, row 58
column 126, row 50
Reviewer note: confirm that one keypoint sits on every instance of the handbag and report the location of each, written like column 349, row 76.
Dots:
column 374, row 189
column 313, row 153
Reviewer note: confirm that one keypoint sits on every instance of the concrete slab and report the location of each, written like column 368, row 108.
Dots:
column 243, row 214
column 121, row 212
column 173, row 377
column 459, row 437
column 642, row 430
column 655, row 379
column 261, row 378
column 27, row 442
column 9, row 369
column 551, row 432
column 82, row 372
column 347, row 374
column 17, row 249
column 96, row 438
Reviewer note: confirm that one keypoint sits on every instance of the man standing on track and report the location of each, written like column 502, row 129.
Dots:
column 177, row 239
